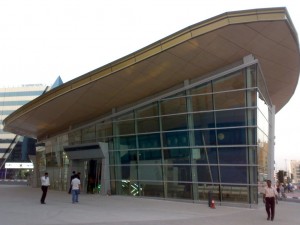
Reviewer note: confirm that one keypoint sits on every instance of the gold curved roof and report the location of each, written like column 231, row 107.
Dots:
column 267, row 34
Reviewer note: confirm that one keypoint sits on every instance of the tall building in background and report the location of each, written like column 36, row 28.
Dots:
column 16, row 148
column 295, row 169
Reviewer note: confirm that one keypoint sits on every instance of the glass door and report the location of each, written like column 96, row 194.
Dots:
column 94, row 176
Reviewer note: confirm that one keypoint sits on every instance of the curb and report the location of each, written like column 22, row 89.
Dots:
column 291, row 197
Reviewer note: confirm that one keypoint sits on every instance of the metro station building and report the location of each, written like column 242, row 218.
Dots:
column 190, row 115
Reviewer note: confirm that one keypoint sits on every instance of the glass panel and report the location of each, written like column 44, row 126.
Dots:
column 176, row 122
column 74, row 137
column 128, row 172
column 262, row 122
column 175, row 105
column 128, row 157
column 150, row 172
column 203, row 89
column 231, row 118
column 177, row 155
column 227, row 100
column 202, row 103
column 148, row 155
column 252, row 158
column 252, row 97
column 127, row 142
column 41, row 159
column 112, row 172
column 262, row 137
column 152, row 189
column 205, row 137
column 125, row 127
column 148, row 111
column 204, row 120
column 104, row 129
column 235, row 136
column 130, row 187
column 115, row 157
column 207, row 174
column 89, row 134
column 175, row 139
column 253, row 171
column 230, row 82
column 149, row 140
column 234, row 193
column 233, row 174
column 233, row 155
column 148, row 125
column 176, row 190
column 262, row 87
column 262, row 153
column 252, row 136
column 207, row 156
column 51, row 160
column 205, row 189
column 251, row 115
column 178, row 173
column 253, row 194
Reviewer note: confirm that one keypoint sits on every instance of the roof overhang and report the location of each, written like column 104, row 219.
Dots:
column 267, row 34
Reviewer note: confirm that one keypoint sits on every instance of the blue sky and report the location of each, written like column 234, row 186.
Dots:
column 41, row 40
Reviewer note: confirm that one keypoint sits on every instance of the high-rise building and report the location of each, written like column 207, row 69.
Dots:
column 15, row 148
column 295, row 170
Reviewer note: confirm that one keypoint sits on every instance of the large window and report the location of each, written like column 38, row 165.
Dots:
column 208, row 138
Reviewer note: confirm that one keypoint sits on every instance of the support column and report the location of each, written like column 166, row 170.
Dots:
column 271, row 145
column 105, row 173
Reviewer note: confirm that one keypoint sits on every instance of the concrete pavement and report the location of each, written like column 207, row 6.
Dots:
column 20, row 205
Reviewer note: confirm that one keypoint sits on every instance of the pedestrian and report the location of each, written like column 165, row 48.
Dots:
column 75, row 188
column 269, row 198
column 45, row 183
column 278, row 189
column 282, row 193
column 71, row 178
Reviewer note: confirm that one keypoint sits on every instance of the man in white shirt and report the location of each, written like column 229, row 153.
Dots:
column 270, row 196
column 45, row 184
column 75, row 183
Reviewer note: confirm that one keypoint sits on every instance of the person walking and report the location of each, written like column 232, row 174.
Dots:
column 282, row 193
column 75, row 188
column 45, row 183
column 269, row 198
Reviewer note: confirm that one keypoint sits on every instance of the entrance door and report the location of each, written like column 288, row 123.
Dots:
column 94, row 176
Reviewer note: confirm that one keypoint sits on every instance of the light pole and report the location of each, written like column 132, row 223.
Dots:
column 287, row 172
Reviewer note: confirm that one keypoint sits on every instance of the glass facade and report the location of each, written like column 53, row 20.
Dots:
column 210, row 138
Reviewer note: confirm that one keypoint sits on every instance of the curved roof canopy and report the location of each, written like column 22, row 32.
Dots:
column 267, row 34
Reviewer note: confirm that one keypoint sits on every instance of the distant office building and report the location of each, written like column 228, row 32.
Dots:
column 15, row 148
column 187, row 117
column 295, row 169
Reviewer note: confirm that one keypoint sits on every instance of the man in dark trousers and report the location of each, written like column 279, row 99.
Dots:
column 72, row 177
column 269, row 198
column 45, row 181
